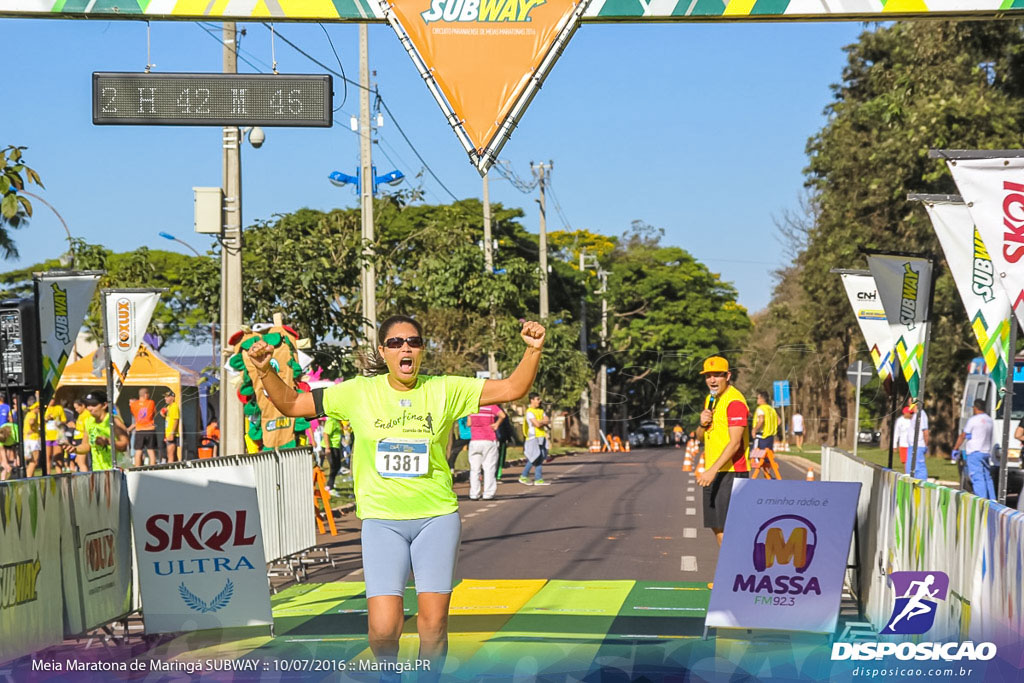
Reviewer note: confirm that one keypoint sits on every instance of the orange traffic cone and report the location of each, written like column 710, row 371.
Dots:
column 625, row 445
column 810, row 474
column 688, row 462
column 700, row 465
column 595, row 446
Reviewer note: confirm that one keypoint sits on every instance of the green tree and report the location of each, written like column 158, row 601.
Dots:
column 15, row 209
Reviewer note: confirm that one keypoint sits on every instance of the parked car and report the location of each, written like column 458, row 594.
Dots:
column 647, row 433
column 869, row 437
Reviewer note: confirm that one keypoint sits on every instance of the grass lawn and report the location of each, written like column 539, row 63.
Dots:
column 941, row 468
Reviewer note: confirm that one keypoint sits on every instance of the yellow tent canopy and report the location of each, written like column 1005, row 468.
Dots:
column 147, row 370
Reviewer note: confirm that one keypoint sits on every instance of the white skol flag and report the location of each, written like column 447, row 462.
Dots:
column 63, row 304
column 863, row 296
column 128, row 313
column 994, row 192
column 988, row 309
column 904, row 284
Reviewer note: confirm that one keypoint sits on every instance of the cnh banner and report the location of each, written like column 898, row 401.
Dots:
column 863, row 296
column 988, row 309
column 904, row 286
column 126, row 315
column 199, row 546
column 486, row 57
column 994, row 192
column 783, row 555
column 63, row 304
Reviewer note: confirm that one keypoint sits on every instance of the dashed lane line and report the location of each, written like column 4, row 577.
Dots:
column 690, row 532
column 688, row 563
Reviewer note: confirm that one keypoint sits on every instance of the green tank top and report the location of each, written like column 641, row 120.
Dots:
column 102, row 456
column 13, row 434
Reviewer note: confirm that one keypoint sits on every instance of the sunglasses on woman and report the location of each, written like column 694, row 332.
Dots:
column 398, row 342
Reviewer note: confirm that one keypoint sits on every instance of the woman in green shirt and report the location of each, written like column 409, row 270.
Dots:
column 97, row 438
column 403, row 485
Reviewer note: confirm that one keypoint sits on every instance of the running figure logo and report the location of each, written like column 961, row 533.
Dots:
column 917, row 596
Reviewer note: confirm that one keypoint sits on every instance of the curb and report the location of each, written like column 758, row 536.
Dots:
column 799, row 460
column 459, row 476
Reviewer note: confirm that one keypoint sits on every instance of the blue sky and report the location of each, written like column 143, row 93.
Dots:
column 699, row 129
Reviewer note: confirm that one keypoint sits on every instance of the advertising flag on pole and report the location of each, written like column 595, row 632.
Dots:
column 127, row 313
column 64, row 299
column 994, row 192
column 483, row 61
column 904, row 284
column 863, row 296
column 972, row 269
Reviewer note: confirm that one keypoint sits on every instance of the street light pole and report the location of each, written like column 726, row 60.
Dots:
column 71, row 244
column 213, row 325
column 231, row 417
column 492, row 362
column 369, row 271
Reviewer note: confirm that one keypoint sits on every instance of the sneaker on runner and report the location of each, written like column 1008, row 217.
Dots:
column 541, row 482
column 525, row 481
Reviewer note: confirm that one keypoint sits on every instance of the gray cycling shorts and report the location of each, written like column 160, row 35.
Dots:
column 428, row 546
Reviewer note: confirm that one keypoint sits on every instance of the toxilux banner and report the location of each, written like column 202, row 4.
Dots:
column 904, row 285
column 483, row 60
column 783, row 555
column 127, row 315
column 863, row 296
column 972, row 269
column 199, row 547
column 63, row 304
column 994, row 192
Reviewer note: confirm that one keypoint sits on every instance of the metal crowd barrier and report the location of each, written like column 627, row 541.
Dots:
column 284, row 490
column 907, row 524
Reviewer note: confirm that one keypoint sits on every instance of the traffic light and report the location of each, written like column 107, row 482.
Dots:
column 19, row 344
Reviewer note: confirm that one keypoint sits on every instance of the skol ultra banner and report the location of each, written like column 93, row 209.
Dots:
column 784, row 555
column 199, row 546
column 30, row 573
column 486, row 57
column 63, row 304
column 128, row 313
column 904, row 286
column 972, row 269
column 863, row 296
column 994, row 192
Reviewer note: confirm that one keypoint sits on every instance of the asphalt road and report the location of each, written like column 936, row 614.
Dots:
column 630, row 515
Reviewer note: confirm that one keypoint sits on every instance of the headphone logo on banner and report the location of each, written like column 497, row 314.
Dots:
column 775, row 548
column 917, row 596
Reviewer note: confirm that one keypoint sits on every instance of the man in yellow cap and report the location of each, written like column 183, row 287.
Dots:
column 723, row 426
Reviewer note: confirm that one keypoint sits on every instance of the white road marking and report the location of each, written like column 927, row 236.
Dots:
column 689, row 532
column 691, row 511
column 690, row 499
column 471, row 514
column 688, row 563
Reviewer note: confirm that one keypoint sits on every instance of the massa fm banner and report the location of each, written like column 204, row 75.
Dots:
column 599, row 10
column 904, row 286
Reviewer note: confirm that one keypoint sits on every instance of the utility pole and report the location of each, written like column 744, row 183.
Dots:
column 603, row 275
column 232, row 419
column 492, row 362
column 540, row 171
column 369, row 272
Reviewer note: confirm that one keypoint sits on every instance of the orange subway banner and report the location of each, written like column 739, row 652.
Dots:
column 484, row 56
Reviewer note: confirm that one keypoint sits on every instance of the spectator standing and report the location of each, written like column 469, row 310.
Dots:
column 535, row 447
column 978, row 435
column 506, row 435
column 483, row 450
column 901, row 433
column 766, row 423
column 172, row 420
column 80, row 435
column 798, row 429
column 677, row 436
column 920, row 469
column 460, row 440
column 723, row 426
column 143, row 411
column 213, row 436
column 8, row 442
column 33, row 435
column 55, row 417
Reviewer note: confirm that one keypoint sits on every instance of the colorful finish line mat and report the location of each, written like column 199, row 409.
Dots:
column 523, row 630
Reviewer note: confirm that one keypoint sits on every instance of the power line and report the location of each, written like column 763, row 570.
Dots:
column 233, row 49
column 344, row 97
column 558, row 206
column 505, row 170
column 382, row 103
